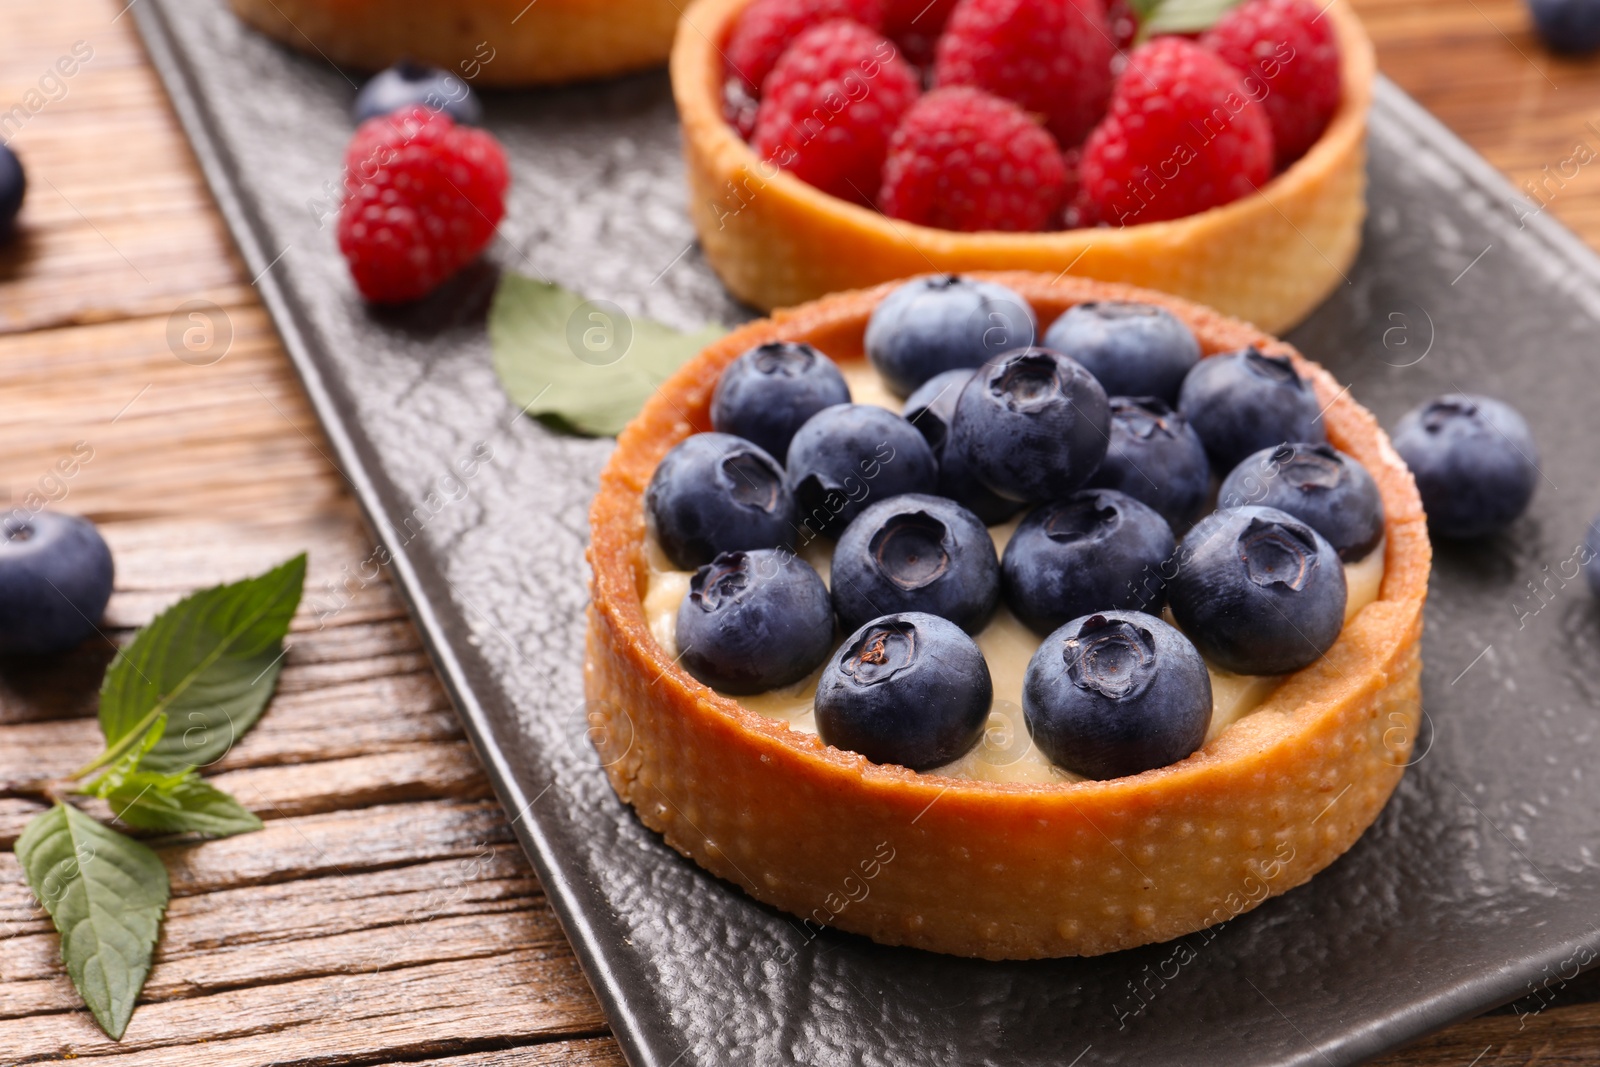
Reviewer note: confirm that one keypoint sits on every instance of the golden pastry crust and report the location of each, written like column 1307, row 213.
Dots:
column 776, row 241
column 1001, row 870
column 541, row 43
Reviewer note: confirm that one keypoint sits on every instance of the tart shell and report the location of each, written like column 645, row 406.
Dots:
column 1267, row 258
column 487, row 42
column 1001, row 871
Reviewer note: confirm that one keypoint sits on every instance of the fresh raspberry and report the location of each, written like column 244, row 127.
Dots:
column 767, row 28
column 1288, row 45
column 915, row 26
column 830, row 105
column 963, row 159
column 1051, row 56
column 1182, row 135
column 422, row 199
column 1122, row 23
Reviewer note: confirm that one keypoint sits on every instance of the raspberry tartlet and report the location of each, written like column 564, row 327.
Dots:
column 487, row 42
column 1025, row 857
column 1267, row 257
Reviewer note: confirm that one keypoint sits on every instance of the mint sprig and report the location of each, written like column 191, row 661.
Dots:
column 173, row 700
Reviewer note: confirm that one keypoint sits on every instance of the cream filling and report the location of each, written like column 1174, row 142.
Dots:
column 1005, row 753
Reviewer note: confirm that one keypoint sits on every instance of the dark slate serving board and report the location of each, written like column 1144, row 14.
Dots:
column 1480, row 878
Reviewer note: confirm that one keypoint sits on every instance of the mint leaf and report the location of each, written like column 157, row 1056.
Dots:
column 209, row 664
column 179, row 804
column 106, row 894
column 126, row 764
column 1179, row 16
column 578, row 365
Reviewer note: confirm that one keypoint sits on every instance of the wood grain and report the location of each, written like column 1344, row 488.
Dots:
column 385, row 915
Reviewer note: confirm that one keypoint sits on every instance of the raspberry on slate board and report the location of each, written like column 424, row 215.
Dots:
column 423, row 198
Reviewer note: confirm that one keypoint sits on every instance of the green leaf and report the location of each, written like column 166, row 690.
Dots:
column 179, row 804
column 583, row 366
column 1181, row 16
column 209, row 664
column 126, row 764
column 106, row 894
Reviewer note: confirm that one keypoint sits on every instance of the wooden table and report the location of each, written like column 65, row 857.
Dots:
column 385, row 914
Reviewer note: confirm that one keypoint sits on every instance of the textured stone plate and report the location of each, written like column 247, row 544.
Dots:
column 1480, row 877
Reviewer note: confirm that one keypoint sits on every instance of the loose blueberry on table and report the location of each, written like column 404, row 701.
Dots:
column 13, row 186
column 55, row 579
column 1475, row 462
column 944, row 625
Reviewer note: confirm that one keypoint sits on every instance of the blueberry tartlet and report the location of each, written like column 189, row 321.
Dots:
column 1080, row 718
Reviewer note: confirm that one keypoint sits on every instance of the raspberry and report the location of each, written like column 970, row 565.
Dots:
column 830, row 105
column 1289, row 46
column 915, row 26
column 767, row 28
column 1051, row 56
column 1182, row 135
column 422, row 199
column 963, row 159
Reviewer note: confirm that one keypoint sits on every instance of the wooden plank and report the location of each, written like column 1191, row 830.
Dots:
column 336, row 1019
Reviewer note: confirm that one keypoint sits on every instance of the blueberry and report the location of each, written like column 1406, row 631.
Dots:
column 1317, row 484
column 1116, row 693
column 944, row 322
column 1032, row 425
column 916, row 553
column 1568, row 26
column 931, row 409
column 13, row 184
column 1244, row 401
column 850, row 453
column 1156, row 457
column 1097, row 550
column 717, row 493
column 754, row 621
column 1133, row 349
column 55, row 579
column 1474, row 460
column 408, row 83
column 911, row 689
column 769, row 392
column 1258, row 591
